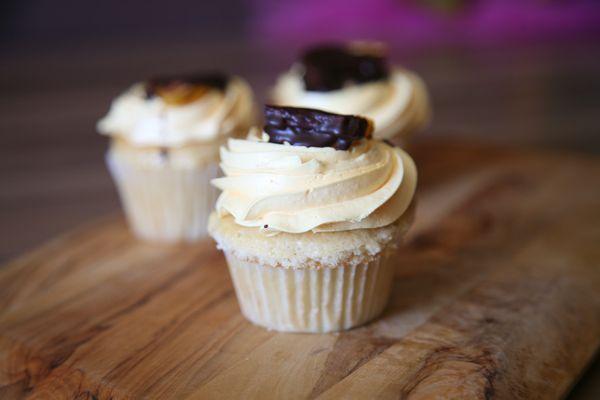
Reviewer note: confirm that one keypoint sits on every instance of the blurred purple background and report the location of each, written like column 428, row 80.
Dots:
column 404, row 23
column 425, row 22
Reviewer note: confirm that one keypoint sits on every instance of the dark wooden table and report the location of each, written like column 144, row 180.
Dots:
column 51, row 159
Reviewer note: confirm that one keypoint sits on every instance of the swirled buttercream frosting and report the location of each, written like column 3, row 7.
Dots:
column 348, row 82
column 291, row 188
column 179, row 110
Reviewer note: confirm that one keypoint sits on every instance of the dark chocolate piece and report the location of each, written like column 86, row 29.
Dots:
column 314, row 128
column 328, row 68
column 211, row 80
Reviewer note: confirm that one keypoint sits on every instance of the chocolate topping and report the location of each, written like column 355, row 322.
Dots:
column 164, row 83
column 314, row 128
column 328, row 68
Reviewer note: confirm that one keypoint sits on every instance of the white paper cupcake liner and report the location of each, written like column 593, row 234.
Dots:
column 165, row 204
column 312, row 300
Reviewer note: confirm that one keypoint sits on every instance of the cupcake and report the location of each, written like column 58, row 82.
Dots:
column 164, row 149
column 356, row 79
column 310, row 214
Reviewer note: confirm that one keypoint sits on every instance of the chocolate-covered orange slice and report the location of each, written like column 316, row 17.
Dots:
column 184, row 89
column 328, row 68
column 314, row 128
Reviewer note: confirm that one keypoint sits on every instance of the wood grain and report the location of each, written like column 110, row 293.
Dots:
column 496, row 296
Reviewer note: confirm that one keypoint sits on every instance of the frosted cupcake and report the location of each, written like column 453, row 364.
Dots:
column 165, row 138
column 311, row 212
column 356, row 79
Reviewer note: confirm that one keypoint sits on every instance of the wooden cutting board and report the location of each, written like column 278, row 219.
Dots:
column 496, row 296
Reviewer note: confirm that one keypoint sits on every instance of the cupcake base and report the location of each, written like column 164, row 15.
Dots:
column 311, row 300
column 164, row 201
column 309, row 282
